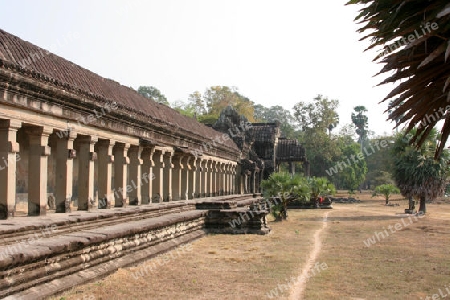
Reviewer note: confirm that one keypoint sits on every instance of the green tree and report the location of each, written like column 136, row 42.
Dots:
column 386, row 190
column 361, row 122
column 184, row 108
column 321, row 151
column 412, row 39
column 351, row 168
column 316, row 120
column 321, row 114
column 276, row 113
column 380, row 162
column 287, row 188
column 216, row 98
column 196, row 102
column 320, row 187
column 416, row 172
column 150, row 92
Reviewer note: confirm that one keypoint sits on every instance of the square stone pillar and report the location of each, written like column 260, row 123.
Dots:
column 185, row 177
column 213, row 176
column 9, row 153
column 86, row 158
column 135, row 175
column 210, row 181
column 230, row 179
column 237, row 179
column 147, row 175
column 38, row 170
column 158, row 170
column 176, row 177
column 65, row 154
column 227, row 179
column 204, row 175
column 198, row 177
column 193, row 177
column 219, row 179
column 167, row 181
column 223, row 179
column 253, row 182
column 121, row 162
column 105, row 161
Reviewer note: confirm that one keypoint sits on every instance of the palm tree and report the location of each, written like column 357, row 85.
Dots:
column 287, row 188
column 320, row 187
column 361, row 122
column 416, row 172
column 413, row 39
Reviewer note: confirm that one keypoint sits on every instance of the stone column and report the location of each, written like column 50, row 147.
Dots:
column 121, row 162
column 9, row 152
column 204, row 175
column 38, row 170
column 135, row 174
column 105, row 161
column 223, row 179
column 193, row 177
column 167, row 181
column 65, row 154
column 209, row 180
column 291, row 167
column 147, row 175
column 253, row 181
column 159, row 176
column 236, row 182
column 215, row 178
column 198, row 178
column 185, row 177
column 228, row 179
column 86, row 158
column 176, row 177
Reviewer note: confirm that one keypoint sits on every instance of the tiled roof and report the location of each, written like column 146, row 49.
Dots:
column 290, row 150
column 42, row 65
column 265, row 132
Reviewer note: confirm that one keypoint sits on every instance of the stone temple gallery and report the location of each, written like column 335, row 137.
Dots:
column 94, row 176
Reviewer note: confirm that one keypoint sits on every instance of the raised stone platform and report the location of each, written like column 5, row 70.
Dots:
column 41, row 256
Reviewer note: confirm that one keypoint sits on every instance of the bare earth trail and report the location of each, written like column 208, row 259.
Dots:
column 300, row 285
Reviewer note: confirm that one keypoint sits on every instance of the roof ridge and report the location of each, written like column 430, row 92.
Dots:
column 46, row 66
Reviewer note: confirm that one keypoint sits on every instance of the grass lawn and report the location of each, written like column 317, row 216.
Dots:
column 408, row 263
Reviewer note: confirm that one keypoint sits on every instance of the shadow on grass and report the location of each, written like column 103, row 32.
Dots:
column 356, row 218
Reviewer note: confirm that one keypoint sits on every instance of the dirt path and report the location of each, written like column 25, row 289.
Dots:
column 299, row 286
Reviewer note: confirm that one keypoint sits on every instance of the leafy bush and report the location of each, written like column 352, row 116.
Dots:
column 386, row 190
column 286, row 188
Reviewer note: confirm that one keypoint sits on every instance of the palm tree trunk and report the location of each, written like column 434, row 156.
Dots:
column 422, row 207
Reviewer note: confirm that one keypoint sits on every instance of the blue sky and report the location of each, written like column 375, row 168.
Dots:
column 275, row 52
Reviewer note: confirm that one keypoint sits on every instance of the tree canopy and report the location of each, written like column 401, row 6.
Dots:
column 150, row 92
column 320, row 114
column 416, row 172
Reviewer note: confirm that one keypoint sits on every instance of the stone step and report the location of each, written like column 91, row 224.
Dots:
column 48, row 261
column 40, row 256
column 31, row 228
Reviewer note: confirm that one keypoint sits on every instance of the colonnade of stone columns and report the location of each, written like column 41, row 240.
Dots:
column 109, row 172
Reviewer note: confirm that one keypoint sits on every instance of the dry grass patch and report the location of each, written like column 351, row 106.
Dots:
column 219, row 266
column 404, row 264
column 407, row 264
